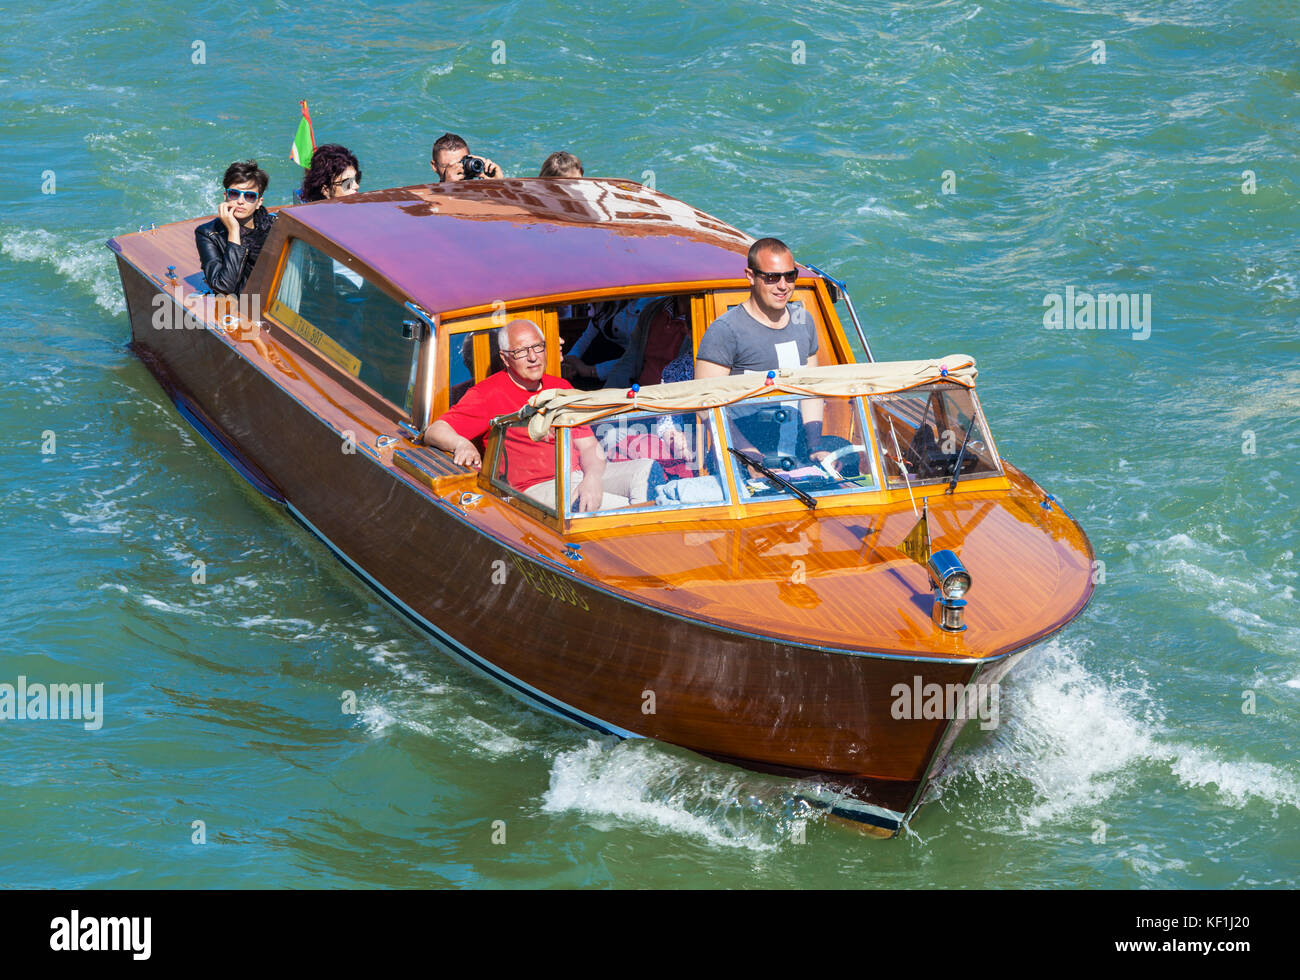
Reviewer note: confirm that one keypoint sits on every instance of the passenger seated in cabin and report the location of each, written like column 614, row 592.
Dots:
column 660, row 349
column 532, row 464
column 334, row 172
column 677, row 474
column 230, row 243
column 451, row 161
column 669, row 446
column 658, row 353
column 604, row 356
column 561, row 164
column 765, row 333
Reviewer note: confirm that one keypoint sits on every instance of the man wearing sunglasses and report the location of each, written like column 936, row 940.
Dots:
column 765, row 333
column 230, row 244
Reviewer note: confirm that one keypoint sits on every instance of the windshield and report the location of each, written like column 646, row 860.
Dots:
column 654, row 463
column 926, row 428
column 817, row 445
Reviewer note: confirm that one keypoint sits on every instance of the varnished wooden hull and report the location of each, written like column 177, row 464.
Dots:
column 570, row 645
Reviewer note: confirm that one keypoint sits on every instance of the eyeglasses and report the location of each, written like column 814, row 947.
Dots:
column 234, row 195
column 519, row 353
column 772, row 278
column 350, row 184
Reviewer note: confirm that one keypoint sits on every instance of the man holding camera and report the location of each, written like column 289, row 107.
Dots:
column 451, row 161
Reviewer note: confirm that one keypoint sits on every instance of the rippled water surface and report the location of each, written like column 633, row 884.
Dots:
column 1153, row 743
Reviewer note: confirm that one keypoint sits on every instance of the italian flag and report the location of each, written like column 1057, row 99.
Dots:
column 305, row 142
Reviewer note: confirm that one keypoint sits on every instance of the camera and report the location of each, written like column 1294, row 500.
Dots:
column 472, row 167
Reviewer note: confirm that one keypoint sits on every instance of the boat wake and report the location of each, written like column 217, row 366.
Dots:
column 1072, row 745
column 649, row 784
column 81, row 261
column 435, row 709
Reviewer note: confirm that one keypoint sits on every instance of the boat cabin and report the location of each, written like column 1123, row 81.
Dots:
column 460, row 260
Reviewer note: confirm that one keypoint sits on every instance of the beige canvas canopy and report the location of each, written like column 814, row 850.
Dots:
column 563, row 407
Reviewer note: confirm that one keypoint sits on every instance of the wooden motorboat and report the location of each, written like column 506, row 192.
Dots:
column 763, row 612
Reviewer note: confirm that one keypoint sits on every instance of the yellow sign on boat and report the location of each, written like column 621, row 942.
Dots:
column 313, row 335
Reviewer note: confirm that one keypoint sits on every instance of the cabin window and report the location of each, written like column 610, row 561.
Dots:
column 774, row 434
column 620, row 342
column 348, row 319
column 654, row 463
column 926, row 428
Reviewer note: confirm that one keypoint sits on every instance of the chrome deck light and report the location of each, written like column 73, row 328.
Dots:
column 952, row 582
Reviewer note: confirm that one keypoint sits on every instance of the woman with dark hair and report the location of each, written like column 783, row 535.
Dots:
column 334, row 172
column 230, row 243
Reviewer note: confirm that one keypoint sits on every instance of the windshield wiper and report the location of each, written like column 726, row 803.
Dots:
column 806, row 498
column 961, row 455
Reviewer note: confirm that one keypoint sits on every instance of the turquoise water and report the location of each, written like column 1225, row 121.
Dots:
column 1124, row 758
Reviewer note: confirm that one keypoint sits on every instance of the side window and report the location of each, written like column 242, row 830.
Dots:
column 471, row 352
column 348, row 319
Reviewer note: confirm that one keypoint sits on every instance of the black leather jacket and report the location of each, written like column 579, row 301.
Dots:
column 226, row 267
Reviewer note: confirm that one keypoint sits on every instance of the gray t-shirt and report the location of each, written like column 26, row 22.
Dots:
column 739, row 342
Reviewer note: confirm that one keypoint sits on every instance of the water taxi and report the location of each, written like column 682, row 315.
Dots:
column 736, row 598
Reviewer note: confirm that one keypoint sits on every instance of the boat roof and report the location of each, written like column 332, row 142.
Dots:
column 472, row 243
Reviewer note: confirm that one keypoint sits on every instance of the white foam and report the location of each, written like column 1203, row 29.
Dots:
column 376, row 719
column 392, row 658
column 1068, row 733
column 1147, row 862
column 1234, row 586
column 879, row 210
column 1236, row 783
column 638, row 782
column 250, row 622
column 171, row 607
column 101, row 520
column 412, row 706
column 488, row 739
column 1078, row 740
column 86, row 263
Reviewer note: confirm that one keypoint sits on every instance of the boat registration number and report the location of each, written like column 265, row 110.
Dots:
column 549, row 584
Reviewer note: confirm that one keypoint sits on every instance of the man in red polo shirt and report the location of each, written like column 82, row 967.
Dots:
column 523, row 353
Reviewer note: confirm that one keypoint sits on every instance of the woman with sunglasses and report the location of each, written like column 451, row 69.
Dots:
column 230, row 243
column 334, row 172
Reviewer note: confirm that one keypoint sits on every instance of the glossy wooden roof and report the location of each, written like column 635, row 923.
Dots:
column 472, row 243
